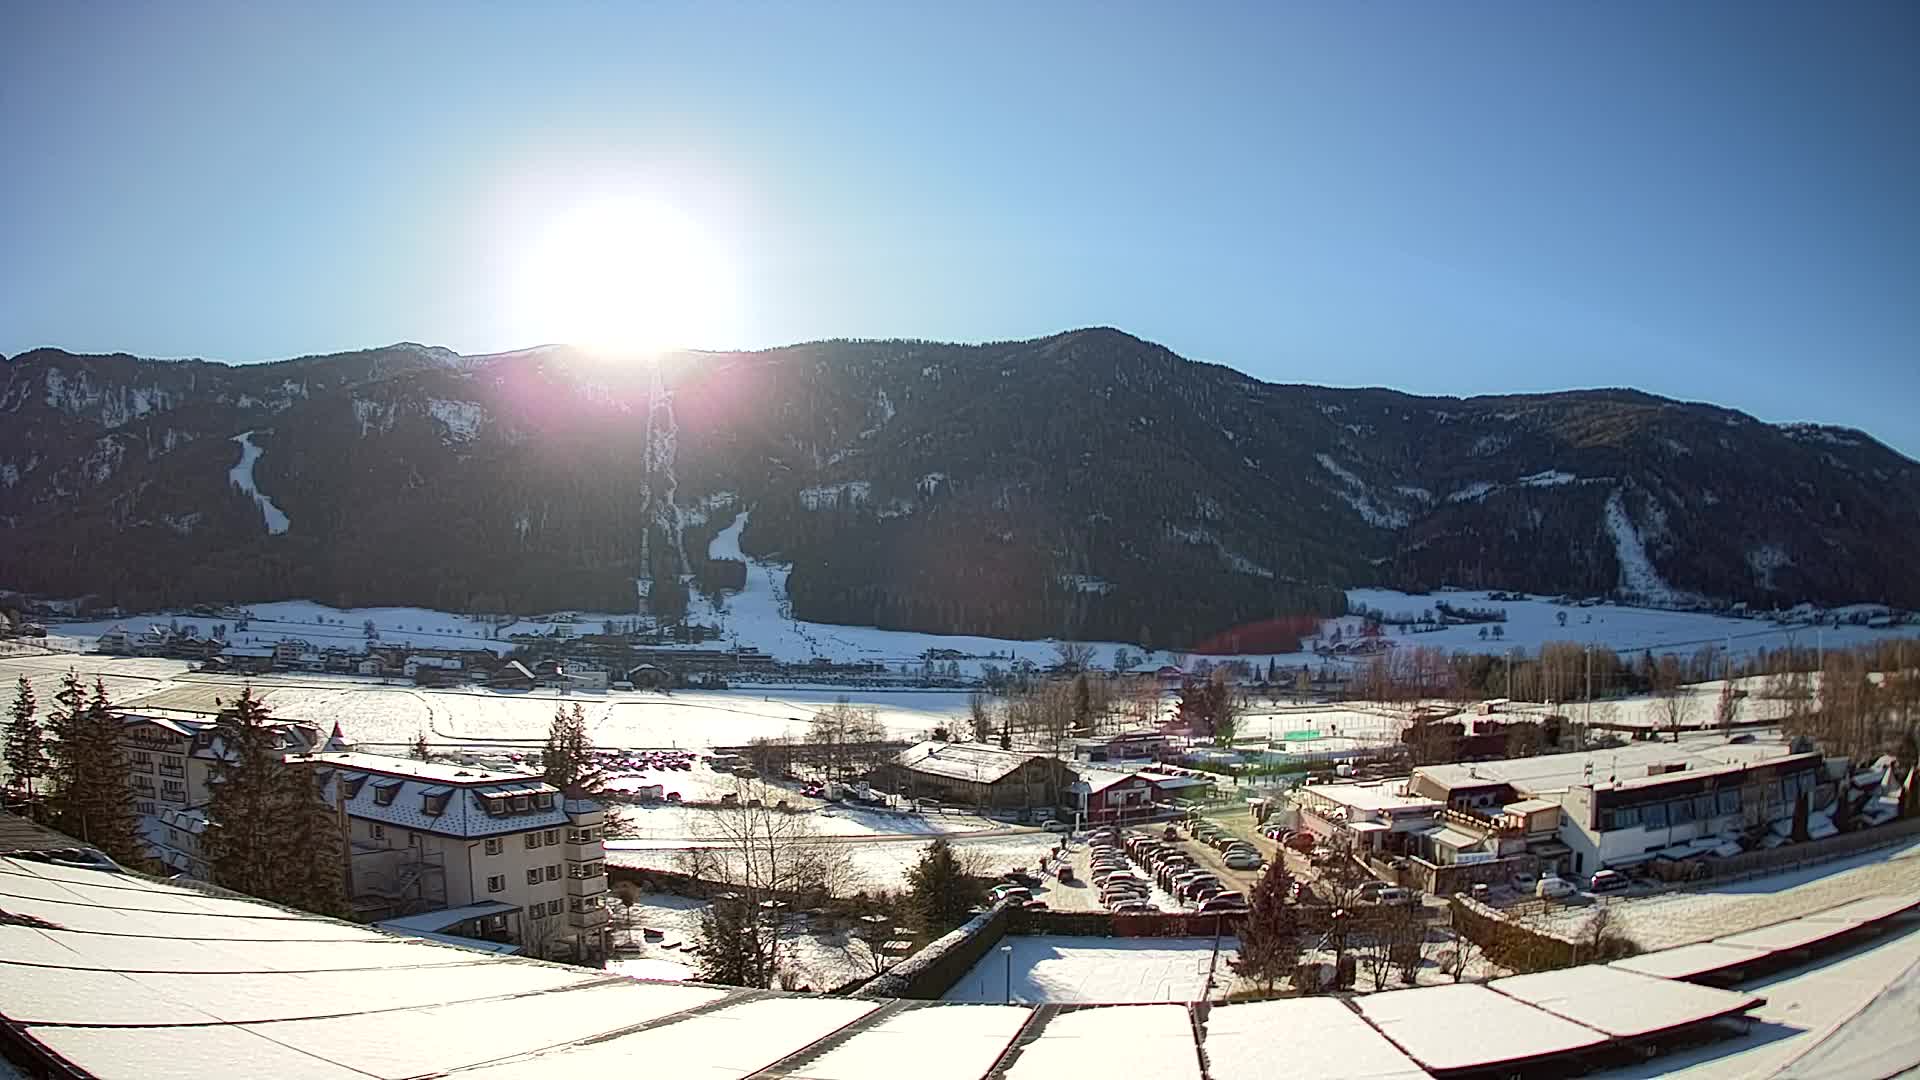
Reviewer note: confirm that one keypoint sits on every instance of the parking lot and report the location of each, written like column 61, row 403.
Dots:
column 1158, row 868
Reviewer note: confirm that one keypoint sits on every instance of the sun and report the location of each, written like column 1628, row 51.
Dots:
column 628, row 278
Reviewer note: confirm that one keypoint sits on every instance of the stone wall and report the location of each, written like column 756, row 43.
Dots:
column 928, row 974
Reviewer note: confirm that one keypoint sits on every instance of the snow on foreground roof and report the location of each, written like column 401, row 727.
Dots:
column 117, row 975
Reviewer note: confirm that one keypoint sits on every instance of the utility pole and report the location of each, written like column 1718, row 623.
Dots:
column 1589, row 720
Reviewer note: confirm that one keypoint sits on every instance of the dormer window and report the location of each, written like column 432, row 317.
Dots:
column 521, row 804
column 352, row 783
column 544, row 800
column 383, row 793
column 434, row 803
column 496, row 806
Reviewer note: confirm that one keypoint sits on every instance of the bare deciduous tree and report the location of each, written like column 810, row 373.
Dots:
column 764, row 860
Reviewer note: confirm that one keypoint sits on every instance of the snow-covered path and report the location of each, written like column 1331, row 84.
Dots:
column 242, row 477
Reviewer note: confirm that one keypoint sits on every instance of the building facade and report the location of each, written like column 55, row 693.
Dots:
column 527, row 863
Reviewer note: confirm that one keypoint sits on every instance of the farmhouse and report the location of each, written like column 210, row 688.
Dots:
column 980, row 774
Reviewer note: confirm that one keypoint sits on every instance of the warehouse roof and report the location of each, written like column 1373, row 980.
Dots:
column 980, row 762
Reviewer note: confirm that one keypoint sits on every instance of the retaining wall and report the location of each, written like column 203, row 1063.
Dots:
column 928, row 974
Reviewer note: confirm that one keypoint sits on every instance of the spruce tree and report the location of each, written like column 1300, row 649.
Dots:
column 26, row 747
column 91, row 796
column 939, row 889
column 1270, row 934
column 317, row 879
column 568, row 762
column 270, row 832
column 421, row 750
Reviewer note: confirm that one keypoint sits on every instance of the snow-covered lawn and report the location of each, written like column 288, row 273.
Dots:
column 823, row 960
column 1680, row 918
column 1058, row 970
column 878, row 863
column 664, row 821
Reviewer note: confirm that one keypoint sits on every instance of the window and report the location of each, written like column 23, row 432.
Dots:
column 579, row 836
column 533, row 876
column 537, row 911
column 496, row 806
column 520, row 804
column 1655, row 816
column 413, row 839
column 533, row 840
column 496, row 883
column 586, row 903
column 553, row 872
column 1680, row 812
column 1703, row 806
column 553, row 836
column 377, row 830
column 586, row 870
column 434, row 803
column 493, row 846
column 353, row 783
column 383, row 793
column 1730, row 801
column 144, row 808
column 1626, row 818
column 544, row 800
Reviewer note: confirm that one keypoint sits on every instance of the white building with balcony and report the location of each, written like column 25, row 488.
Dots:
column 480, row 854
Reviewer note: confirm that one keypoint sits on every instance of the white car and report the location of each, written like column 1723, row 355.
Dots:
column 1553, row 888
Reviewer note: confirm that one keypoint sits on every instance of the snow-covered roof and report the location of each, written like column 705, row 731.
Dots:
column 431, row 921
column 1557, row 772
column 982, row 762
column 1314, row 1036
column 396, row 791
column 114, row 972
column 1465, row 1026
column 1621, row 1003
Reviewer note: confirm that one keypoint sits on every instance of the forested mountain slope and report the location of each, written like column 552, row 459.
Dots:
column 1088, row 483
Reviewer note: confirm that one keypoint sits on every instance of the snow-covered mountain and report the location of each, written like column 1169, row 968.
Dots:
column 1088, row 483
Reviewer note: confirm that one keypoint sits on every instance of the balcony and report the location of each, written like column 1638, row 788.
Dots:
column 172, row 770
column 586, row 886
column 588, row 920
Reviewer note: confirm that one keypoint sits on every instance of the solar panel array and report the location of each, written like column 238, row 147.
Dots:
column 124, row 976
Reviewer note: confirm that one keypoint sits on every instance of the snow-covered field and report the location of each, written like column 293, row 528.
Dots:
column 644, row 826
column 760, row 616
column 1081, row 970
column 1534, row 622
column 879, row 863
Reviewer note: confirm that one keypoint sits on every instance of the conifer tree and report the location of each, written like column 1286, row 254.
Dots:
column 91, row 796
column 1270, row 934
column 568, row 762
column 421, row 750
column 26, row 747
column 939, row 889
column 270, row 833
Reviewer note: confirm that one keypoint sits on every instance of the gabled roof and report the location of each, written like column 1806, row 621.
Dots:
column 459, row 792
column 982, row 762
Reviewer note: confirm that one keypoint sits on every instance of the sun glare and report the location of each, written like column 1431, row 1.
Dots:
column 627, row 278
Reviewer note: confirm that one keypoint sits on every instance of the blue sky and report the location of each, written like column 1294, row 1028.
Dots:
column 1707, row 200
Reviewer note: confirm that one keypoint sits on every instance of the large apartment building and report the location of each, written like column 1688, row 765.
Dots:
column 497, row 856
column 170, row 758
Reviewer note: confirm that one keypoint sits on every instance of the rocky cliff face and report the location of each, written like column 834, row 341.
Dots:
column 1088, row 483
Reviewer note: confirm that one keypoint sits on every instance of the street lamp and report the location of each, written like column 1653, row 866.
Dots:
column 1006, row 998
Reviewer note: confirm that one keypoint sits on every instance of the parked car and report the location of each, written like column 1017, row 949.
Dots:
column 1553, row 888
column 1608, row 881
column 1394, row 896
column 1244, row 860
column 1018, row 893
column 1223, row 902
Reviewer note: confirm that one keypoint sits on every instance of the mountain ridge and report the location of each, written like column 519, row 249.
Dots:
column 1085, row 483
